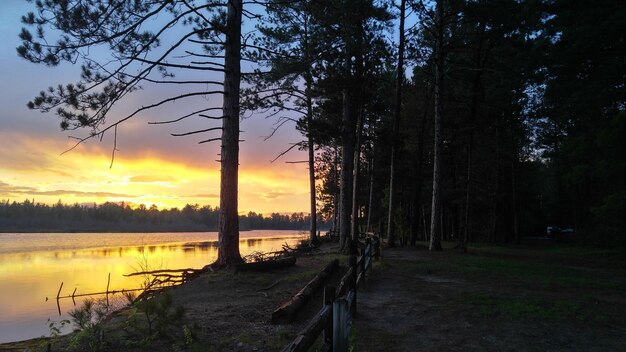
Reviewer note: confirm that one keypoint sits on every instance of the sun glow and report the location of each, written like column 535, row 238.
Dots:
column 85, row 176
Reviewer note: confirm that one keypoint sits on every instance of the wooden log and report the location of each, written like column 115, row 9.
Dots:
column 100, row 293
column 163, row 271
column 309, row 334
column 287, row 311
column 266, row 264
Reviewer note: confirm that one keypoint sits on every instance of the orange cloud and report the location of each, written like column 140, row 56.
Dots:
column 32, row 167
column 151, row 178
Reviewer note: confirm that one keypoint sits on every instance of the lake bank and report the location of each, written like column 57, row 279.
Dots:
column 32, row 267
column 223, row 311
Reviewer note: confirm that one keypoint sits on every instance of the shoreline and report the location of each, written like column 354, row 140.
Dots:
column 247, row 292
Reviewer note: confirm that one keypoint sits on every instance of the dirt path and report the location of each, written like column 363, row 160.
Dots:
column 420, row 301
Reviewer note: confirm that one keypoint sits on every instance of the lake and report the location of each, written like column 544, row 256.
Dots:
column 33, row 266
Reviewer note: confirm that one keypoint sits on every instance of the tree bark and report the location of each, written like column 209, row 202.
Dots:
column 391, row 238
column 371, row 189
column 347, row 158
column 347, row 167
column 435, row 229
column 358, row 103
column 417, row 209
column 337, row 195
column 496, row 188
column 516, row 233
column 354, row 230
column 309, row 121
column 228, row 248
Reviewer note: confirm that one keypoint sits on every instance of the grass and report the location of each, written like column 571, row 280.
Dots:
column 527, row 307
column 549, row 275
column 588, row 251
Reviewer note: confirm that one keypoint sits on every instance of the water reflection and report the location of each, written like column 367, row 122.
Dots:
column 28, row 278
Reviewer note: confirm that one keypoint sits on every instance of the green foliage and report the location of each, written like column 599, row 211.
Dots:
column 156, row 319
column 89, row 319
column 55, row 330
column 32, row 216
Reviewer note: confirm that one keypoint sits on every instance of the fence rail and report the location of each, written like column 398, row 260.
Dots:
column 334, row 320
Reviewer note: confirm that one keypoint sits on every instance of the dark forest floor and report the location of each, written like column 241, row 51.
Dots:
column 494, row 299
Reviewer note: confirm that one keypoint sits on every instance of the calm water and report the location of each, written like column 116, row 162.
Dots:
column 33, row 265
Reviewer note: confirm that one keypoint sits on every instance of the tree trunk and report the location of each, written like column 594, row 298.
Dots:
column 347, row 151
column 496, row 191
column 480, row 62
column 470, row 151
column 371, row 192
column 468, row 180
column 347, row 168
column 354, row 230
column 358, row 108
column 435, row 230
column 391, row 236
column 516, row 233
column 228, row 247
column 309, row 121
column 337, row 195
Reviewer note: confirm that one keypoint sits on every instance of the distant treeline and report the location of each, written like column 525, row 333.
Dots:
column 30, row 216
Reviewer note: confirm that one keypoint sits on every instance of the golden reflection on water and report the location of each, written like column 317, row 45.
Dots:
column 29, row 281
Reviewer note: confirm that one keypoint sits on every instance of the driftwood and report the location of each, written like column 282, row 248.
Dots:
column 266, row 264
column 164, row 271
column 288, row 310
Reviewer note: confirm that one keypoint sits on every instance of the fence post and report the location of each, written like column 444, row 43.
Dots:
column 378, row 248
column 341, row 325
column 329, row 298
column 362, row 263
column 368, row 253
column 353, row 282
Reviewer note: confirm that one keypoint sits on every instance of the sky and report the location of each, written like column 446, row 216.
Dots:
column 150, row 165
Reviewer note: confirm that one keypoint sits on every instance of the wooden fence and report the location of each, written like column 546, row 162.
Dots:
column 334, row 320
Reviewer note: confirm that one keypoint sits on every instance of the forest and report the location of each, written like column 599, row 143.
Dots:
column 525, row 102
column 462, row 120
column 30, row 216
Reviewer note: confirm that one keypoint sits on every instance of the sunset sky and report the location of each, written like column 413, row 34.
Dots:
column 150, row 167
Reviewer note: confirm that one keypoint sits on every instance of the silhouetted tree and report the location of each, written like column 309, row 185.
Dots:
column 186, row 36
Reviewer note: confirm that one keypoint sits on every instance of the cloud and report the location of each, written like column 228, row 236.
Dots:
column 151, row 178
column 6, row 188
column 272, row 195
column 31, row 166
column 60, row 192
column 64, row 173
column 9, row 189
column 204, row 195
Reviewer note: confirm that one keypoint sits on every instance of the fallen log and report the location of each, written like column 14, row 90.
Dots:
column 164, row 271
column 266, row 264
column 287, row 311
column 309, row 334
